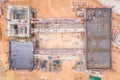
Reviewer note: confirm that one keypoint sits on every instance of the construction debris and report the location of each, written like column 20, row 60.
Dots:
column 96, row 73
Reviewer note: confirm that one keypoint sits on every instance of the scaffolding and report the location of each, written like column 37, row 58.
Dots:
column 98, row 38
column 18, row 21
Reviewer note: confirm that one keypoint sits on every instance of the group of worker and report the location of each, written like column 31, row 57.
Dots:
column 55, row 66
column 48, row 65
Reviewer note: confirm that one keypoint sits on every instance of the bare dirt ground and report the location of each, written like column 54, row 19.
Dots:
column 66, row 41
column 53, row 8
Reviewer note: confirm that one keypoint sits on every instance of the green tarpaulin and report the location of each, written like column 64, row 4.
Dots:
column 94, row 78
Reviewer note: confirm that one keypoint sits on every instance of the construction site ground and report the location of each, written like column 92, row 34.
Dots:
column 53, row 9
column 61, row 41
